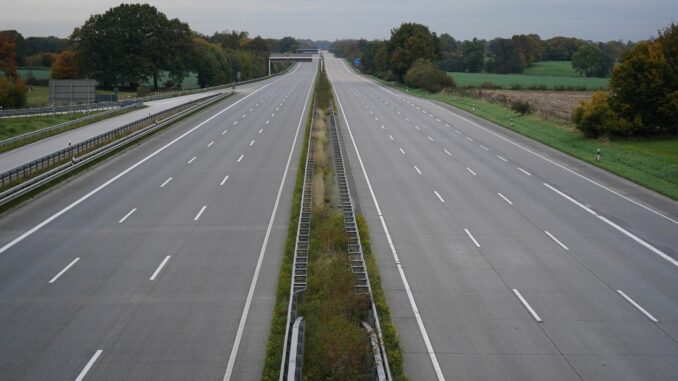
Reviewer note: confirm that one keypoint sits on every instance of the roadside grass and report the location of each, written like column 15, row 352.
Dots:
column 546, row 82
column 10, row 127
column 652, row 163
column 38, row 96
column 552, row 69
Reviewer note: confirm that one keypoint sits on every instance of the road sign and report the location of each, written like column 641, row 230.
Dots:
column 357, row 61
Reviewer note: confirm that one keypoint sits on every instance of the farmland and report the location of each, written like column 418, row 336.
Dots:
column 547, row 75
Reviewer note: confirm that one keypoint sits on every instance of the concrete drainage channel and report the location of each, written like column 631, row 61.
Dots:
column 295, row 343
column 24, row 179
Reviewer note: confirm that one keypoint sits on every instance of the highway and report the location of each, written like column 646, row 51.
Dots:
column 160, row 263
column 502, row 258
column 24, row 154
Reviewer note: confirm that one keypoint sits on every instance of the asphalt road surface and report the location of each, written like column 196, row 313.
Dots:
column 508, row 259
column 162, row 262
column 24, row 154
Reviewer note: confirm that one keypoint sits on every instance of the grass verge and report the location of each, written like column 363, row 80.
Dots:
column 650, row 163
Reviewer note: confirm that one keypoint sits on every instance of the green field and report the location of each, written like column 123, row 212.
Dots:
column 552, row 69
column 508, row 80
column 650, row 163
column 34, row 72
column 545, row 73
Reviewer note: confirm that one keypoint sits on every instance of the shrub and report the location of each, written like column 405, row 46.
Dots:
column 142, row 91
column 596, row 118
column 521, row 107
column 425, row 76
column 12, row 93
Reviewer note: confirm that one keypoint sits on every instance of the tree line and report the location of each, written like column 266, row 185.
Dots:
column 499, row 55
column 132, row 44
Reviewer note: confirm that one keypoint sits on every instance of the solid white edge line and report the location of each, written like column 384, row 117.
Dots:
column 471, row 171
column 403, row 278
column 524, row 171
column 89, row 365
column 224, row 180
column 127, row 215
column 162, row 264
column 439, row 197
column 262, row 252
column 617, row 227
column 527, row 305
column 64, row 270
column 166, row 182
column 468, row 233
column 638, row 306
column 505, row 199
column 649, row 209
column 556, row 240
column 197, row 216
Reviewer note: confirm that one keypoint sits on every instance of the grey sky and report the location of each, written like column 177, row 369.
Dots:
column 332, row 19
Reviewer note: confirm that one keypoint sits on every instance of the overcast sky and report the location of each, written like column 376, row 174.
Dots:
column 598, row 20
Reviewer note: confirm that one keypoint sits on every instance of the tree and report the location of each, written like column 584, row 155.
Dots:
column 425, row 76
column 64, row 66
column 643, row 98
column 473, row 53
column 130, row 43
column 561, row 48
column 12, row 93
column 529, row 48
column 51, row 44
column 505, row 57
column 591, row 61
column 7, row 54
column 409, row 43
column 644, row 85
column 288, row 45
column 210, row 63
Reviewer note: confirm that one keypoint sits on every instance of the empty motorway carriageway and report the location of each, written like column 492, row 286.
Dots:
column 161, row 263
column 500, row 258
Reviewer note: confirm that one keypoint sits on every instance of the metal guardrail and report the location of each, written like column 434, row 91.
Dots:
column 355, row 250
column 27, row 112
column 296, row 363
column 53, row 130
column 300, row 260
column 45, row 163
